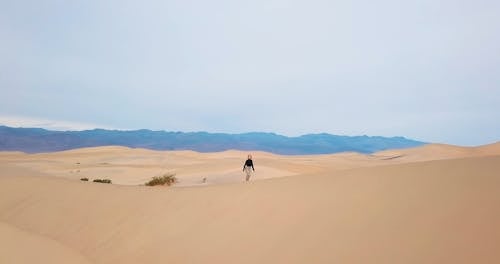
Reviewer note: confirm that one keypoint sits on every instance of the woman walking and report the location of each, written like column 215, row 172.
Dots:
column 248, row 167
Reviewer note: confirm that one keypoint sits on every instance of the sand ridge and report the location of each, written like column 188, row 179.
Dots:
column 439, row 151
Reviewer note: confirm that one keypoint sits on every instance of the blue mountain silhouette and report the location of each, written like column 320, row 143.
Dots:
column 34, row 140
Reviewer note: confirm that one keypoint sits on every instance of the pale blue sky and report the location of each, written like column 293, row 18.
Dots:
column 428, row 70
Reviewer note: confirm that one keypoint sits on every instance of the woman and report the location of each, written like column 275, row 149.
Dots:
column 248, row 167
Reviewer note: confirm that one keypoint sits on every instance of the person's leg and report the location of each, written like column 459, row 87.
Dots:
column 248, row 171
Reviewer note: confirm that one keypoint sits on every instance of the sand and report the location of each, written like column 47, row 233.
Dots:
column 433, row 204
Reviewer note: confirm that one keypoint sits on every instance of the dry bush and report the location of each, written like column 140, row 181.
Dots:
column 102, row 181
column 167, row 179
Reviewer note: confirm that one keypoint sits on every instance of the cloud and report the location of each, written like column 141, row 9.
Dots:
column 421, row 69
column 60, row 125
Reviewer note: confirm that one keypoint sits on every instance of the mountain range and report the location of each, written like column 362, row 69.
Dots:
column 35, row 140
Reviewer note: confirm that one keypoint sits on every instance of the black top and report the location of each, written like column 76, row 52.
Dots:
column 248, row 163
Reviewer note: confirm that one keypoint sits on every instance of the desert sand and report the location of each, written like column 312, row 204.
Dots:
column 432, row 204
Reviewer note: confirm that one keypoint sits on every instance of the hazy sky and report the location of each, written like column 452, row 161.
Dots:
column 425, row 69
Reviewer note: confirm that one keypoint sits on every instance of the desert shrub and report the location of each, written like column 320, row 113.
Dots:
column 167, row 179
column 84, row 179
column 102, row 181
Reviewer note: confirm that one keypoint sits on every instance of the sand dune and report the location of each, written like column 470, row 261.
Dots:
column 344, row 208
column 438, row 152
column 136, row 166
column 19, row 246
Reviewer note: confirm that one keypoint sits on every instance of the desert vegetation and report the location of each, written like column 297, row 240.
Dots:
column 84, row 179
column 167, row 179
column 102, row 180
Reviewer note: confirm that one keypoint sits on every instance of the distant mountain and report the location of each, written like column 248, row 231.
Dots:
column 34, row 140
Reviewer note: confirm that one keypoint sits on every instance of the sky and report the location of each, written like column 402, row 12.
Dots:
column 427, row 70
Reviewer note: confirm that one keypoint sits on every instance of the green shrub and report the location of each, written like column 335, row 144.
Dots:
column 84, row 179
column 102, row 181
column 167, row 179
